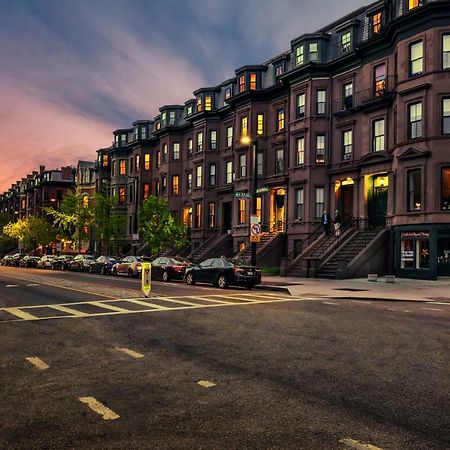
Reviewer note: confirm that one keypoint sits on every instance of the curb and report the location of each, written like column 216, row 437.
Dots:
column 268, row 287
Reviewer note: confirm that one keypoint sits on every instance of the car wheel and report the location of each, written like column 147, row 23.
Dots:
column 165, row 276
column 190, row 279
column 130, row 273
column 102, row 271
column 222, row 281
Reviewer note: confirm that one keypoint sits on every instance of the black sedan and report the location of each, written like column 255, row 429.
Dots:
column 167, row 269
column 103, row 265
column 223, row 272
column 29, row 261
column 61, row 262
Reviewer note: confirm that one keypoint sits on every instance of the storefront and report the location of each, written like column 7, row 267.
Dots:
column 422, row 251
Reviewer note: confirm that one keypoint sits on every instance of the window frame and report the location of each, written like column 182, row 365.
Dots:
column 412, row 61
column 321, row 104
column 416, row 124
column 300, row 105
column 300, row 152
column 280, row 119
column 445, row 118
column 411, row 191
column 299, row 208
column 319, row 150
column 376, row 138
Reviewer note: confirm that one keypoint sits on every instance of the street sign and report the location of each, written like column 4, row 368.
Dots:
column 255, row 232
column 242, row 195
column 135, row 238
column 261, row 190
column 146, row 278
column 254, row 219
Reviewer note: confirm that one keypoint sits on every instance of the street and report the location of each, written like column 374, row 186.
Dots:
column 87, row 362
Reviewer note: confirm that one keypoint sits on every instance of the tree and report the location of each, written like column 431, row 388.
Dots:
column 6, row 242
column 159, row 227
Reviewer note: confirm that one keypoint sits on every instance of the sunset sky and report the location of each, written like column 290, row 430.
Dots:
column 73, row 71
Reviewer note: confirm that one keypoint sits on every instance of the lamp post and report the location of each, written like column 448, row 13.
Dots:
column 246, row 140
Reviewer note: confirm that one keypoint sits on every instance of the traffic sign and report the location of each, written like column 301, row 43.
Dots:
column 254, row 219
column 255, row 232
column 261, row 190
column 242, row 195
column 146, row 278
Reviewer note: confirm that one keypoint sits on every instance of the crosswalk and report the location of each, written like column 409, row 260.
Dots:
column 98, row 308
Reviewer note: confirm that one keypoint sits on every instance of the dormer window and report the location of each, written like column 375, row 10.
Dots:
column 279, row 70
column 227, row 93
column 199, row 105
column 252, row 81
column 376, row 23
column 346, row 42
column 171, row 117
column 143, row 133
column 105, row 160
column 164, row 119
column 299, row 55
column 412, row 4
column 158, row 125
column 208, row 103
column 313, row 52
column 241, row 83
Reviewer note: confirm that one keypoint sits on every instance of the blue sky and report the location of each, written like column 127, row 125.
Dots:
column 73, row 71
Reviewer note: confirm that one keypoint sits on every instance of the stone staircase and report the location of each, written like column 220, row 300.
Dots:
column 348, row 250
column 218, row 243
column 247, row 252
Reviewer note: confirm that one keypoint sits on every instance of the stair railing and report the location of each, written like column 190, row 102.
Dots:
column 216, row 232
column 305, row 243
column 272, row 230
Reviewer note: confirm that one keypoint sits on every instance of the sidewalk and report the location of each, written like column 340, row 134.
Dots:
column 403, row 289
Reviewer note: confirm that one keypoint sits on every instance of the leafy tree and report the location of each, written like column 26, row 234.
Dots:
column 6, row 242
column 159, row 228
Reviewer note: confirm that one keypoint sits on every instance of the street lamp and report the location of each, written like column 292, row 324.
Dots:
column 246, row 140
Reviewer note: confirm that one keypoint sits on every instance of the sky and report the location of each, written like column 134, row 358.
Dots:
column 73, row 71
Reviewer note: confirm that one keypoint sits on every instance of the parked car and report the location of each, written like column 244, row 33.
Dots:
column 61, row 262
column 130, row 266
column 224, row 272
column 166, row 269
column 15, row 260
column 103, row 265
column 6, row 260
column 45, row 262
column 81, row 263
column 29, row 261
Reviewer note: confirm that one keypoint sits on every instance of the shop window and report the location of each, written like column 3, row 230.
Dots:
column 415, row 250
column 414, row 190
column 445, row 189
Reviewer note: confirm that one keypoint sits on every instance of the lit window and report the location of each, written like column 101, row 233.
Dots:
column 199, row 142
column 147, row 161
column 198, row 215
column 259, row 208
column 198, row 176
column 158, row 159
column 122, row 167
column 416, row 58
column 446, row 51
column 189, row 110
column 313, row 54
column 260, row 124
column 190, row 146
column 412, row 4
column 347, row 91
column 347, row 142
column 176, row 150
column 171, row 117
column 213, row 140
column 229, row 172
column 415, row 120
column 242, row 208
column 260, row 163
column 189, row 182
column 164, row 152
column 299, row 203
column 122, row 194
column 414, row 190
column 253, row 81
column 300, row 107
column 175, row 184
column 346, row 42
column 158, row 125
column 164, row 119
column 319, row 204
column 244, row 126
column 187, row 217
column 380, row 80
column 146, row 191
column 320, row 149
column 242, row 83
column 446, row 116
column 212, row 174
column 242, row 165
column 279, row 161
column 299, row 55
column 199, row 104
column 300, row 151
column 445, row 189
column 376, row 23
column 105, row 160
column 229, row 136
column 378, row 135
column 227, row 93
column 208, row 103
column 113, row 168
column 321, row 101
column 211, row 215
column 280, row 119
column 137, row 162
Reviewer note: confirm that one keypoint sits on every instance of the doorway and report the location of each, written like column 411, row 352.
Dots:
column 443, row 259
column 346, row 203
column 277, row 206
column 378, row 195
column 227, row 216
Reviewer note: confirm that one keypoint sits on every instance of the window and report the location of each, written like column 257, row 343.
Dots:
column 227, row 93
column 320, row 149
column 199, row 104
column 299, row 203
column 416, row 58
column 208, row 103
column 122, row 167
column 445, row 189
column 143, row 133
column 244, row 126
column 280, row 119
column 131, row 164
column 299, row 55
column 415, row 120
column 175, row 184
column 212, row 174
column 252, row 81
column 187, row 217
column 211, row 215
column 260, row 163
column 279, row 70
column 412, row 4
column 347, row 94
column 319, row 202
column 137, row 162
column 213, row 140
column 376, row 23
column 242, row 165
column 321, row 99
column 158, row 159
column 346, row 42
column 147, row 161
column 446, row 116
column 414, row 190
column 198, row 176
column 146, row 191
column 229, row 136
column 189, row 182
column 158, row 126
column 242, row 205
column 176, row 150
column 415, row 252
column 122, row 194
column 199, row 142
column 164, row 153
column 300, row 103
column 380, row 80
column 190, row 147
column 259, row 208
column 279, row 161
column 113, row 168
column 189, row 110
column 171, row 117
column 378, row 135
column 241, row 83
column 446, row 51
column 105, row 160
column 260, row 124
column 347, row 144
column 229, row 172
column 164, row 119
column 198, row 215
column 300, row 151
column 163, row 185
column 313, row 54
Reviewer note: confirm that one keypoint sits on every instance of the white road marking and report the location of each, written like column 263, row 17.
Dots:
column 361, row 301
column 441, row 303
column 129, row 352
column 32, row 284
column 11, row 285
column 392, row 309
column 206, row 384
column 99, row 408
column 331, row 303
column 37, row 362
column 432, row 309
column 358, row 445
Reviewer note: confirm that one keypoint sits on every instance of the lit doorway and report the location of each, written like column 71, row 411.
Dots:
column 277, row 209
column 377, row 200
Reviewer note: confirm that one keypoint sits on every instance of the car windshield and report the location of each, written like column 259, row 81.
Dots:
column 89, row 257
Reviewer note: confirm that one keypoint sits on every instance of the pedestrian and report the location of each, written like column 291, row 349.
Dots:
column 337, row 223
column 326, row 221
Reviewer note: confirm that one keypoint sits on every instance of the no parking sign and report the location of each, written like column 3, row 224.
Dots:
column 255, row 232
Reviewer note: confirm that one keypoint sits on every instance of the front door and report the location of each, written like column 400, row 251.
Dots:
column 378, row 201
column 227, row 217
column 278, row 205
column 346, row 203
column 443, row 259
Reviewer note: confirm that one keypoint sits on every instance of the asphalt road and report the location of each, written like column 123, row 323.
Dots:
column 201, row 368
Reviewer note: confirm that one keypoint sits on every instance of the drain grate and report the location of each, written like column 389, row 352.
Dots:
column 351, row 289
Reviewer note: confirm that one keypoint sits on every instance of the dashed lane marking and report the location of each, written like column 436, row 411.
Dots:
column 129, row 352
column 432, row 309
column 99, row 408
column 12, row 285
column 206, row 384
column 37, row 362
column 331, row 303
column 361, row 301
column 358, row 445
column 33, row 284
